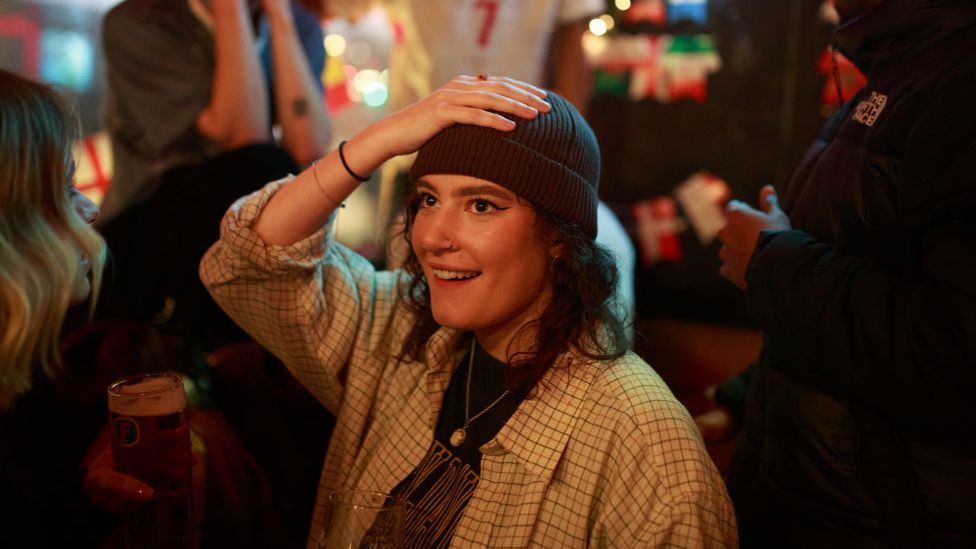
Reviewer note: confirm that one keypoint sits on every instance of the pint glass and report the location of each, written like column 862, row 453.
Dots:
column 151, row 442
column 363, row 520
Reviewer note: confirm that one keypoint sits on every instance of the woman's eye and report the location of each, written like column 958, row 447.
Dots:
column 427, row 200
column 481, row 205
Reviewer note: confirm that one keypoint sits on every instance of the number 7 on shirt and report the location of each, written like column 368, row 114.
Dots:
column 490, row 9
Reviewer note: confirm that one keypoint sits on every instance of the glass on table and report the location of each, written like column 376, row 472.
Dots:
column 363, row 520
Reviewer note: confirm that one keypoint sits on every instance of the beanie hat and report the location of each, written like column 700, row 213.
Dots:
column 552, row 160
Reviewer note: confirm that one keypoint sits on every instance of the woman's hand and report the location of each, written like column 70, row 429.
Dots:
column 463, row 100
column 480, row 101
column 113, row 491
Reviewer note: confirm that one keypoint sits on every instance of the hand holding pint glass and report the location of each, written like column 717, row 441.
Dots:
column 151, row 442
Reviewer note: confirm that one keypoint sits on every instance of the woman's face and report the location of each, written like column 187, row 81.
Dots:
column 89, row 213
column 485, row 264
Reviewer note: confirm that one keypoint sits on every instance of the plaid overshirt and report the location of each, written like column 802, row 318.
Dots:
column 602, row 456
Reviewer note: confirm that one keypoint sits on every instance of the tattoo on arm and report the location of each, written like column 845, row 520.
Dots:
column 299, row 107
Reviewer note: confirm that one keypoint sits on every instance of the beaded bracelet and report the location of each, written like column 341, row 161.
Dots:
column 345, row 165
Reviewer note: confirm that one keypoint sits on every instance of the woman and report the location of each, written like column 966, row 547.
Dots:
column 51, row 259
column 487, row 382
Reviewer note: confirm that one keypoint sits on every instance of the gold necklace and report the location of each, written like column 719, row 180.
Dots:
column 461, row 433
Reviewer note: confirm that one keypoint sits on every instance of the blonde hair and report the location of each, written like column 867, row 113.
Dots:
column 41, row 233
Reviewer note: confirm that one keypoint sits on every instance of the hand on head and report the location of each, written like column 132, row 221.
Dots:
column 493, row 103
column 463, row 100
column 741, row 232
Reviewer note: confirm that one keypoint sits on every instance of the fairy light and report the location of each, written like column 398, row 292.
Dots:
column 598, row 27
column 375, row 94
column 335, row 45
column 622, row 5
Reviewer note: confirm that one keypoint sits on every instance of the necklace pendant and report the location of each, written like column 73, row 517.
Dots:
column 458, row 436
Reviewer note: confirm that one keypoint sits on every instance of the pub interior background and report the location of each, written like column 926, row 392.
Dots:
column 694, row 102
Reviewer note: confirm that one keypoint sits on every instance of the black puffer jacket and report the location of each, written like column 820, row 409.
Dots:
column 860, row 425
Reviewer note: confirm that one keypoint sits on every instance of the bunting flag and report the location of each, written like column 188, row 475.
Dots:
column 93, row 166
column 646, row 76
column 851, row 79
column 686, row 64
column 703, row 197
column 695, row 11
column 661, row 66
column 651, row 11
column 611, row 82
column 673, row 67
column 657, row 227
column 25, row 33
column 335, row 82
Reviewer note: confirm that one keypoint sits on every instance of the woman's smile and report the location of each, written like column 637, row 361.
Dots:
column 446, row 274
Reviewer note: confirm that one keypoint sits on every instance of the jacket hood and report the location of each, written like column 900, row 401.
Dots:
column 866, row 39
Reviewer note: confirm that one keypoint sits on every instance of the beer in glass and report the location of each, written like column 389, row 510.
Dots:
column 151, row 442
column 363, row 520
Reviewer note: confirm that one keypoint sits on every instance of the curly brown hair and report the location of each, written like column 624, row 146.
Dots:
column 581, row 315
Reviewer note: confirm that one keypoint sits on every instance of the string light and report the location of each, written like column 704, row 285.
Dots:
column 335, row 45
column 598, row 27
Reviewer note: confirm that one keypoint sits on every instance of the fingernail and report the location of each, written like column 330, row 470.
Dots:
column 144, row 491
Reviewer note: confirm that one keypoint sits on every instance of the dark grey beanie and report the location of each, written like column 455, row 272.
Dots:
column 553, row 160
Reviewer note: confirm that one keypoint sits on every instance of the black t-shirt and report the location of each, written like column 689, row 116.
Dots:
column 440, row 487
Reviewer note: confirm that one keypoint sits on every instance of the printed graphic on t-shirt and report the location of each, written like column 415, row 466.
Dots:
column 438, row 492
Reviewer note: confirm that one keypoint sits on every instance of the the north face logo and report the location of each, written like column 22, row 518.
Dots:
column 867, row 111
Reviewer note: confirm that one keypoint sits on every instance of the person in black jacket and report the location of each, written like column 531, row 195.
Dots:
column 857, row 427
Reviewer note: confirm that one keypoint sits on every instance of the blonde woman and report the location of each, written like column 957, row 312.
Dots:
column 50, row 259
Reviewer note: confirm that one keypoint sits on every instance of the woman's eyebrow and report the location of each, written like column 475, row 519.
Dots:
column 479, row 190
column 470, row 190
